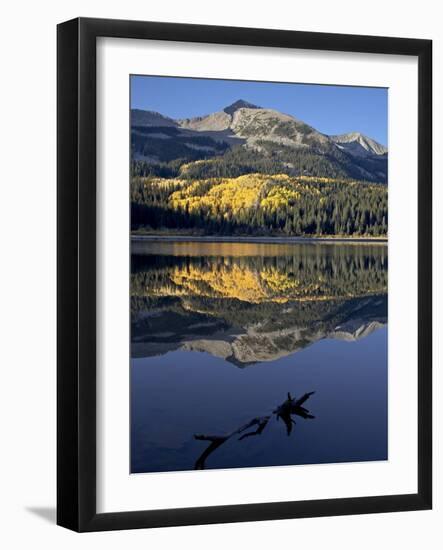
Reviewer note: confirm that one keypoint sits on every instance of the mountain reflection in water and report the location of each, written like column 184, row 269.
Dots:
column 252, row 303
column 301, row 317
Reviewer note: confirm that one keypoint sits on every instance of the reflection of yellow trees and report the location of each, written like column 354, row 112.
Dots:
column 259, row 273
column 243, row 282
column 226, row 281
column 284, row 285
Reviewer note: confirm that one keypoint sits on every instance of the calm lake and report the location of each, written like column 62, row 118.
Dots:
column 229, row 340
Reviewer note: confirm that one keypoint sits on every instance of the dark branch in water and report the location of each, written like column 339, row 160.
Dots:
column 284, row 411
column 260, row 422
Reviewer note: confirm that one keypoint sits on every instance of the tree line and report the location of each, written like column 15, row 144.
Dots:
column 177, row 158
column 335, row 207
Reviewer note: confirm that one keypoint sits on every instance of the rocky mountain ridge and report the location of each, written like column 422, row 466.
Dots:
column 272, row 136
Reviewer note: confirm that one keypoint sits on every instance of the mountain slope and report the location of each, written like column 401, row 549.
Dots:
column 255, row 123
column 255, row 139
column 150, row 118
column 214, row 122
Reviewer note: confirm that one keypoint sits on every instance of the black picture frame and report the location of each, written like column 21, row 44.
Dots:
column 76, row 281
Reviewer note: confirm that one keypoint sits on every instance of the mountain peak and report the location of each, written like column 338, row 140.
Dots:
column 239, row 104
column 359, row 144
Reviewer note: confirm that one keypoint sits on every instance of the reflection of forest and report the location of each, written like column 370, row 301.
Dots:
column 256, row 308
column 312, row 275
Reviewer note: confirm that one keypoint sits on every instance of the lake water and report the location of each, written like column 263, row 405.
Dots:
column 228, row 340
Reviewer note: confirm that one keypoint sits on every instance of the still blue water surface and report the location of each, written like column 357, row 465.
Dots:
column 182, row 385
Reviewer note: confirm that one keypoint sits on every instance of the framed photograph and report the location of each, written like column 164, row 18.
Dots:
column 244, row 274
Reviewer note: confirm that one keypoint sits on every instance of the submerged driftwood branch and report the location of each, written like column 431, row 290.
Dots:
column 289, row 407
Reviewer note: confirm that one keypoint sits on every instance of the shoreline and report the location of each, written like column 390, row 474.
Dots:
column 263, row 240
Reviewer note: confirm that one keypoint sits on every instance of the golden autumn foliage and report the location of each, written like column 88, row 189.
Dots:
column 264, row 203
column 269, row 192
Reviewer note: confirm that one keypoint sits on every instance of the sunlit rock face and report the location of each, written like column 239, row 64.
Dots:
column 360, row 145
column 250, row 304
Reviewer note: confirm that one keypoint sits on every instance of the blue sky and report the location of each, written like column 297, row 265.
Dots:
column 329, row 109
